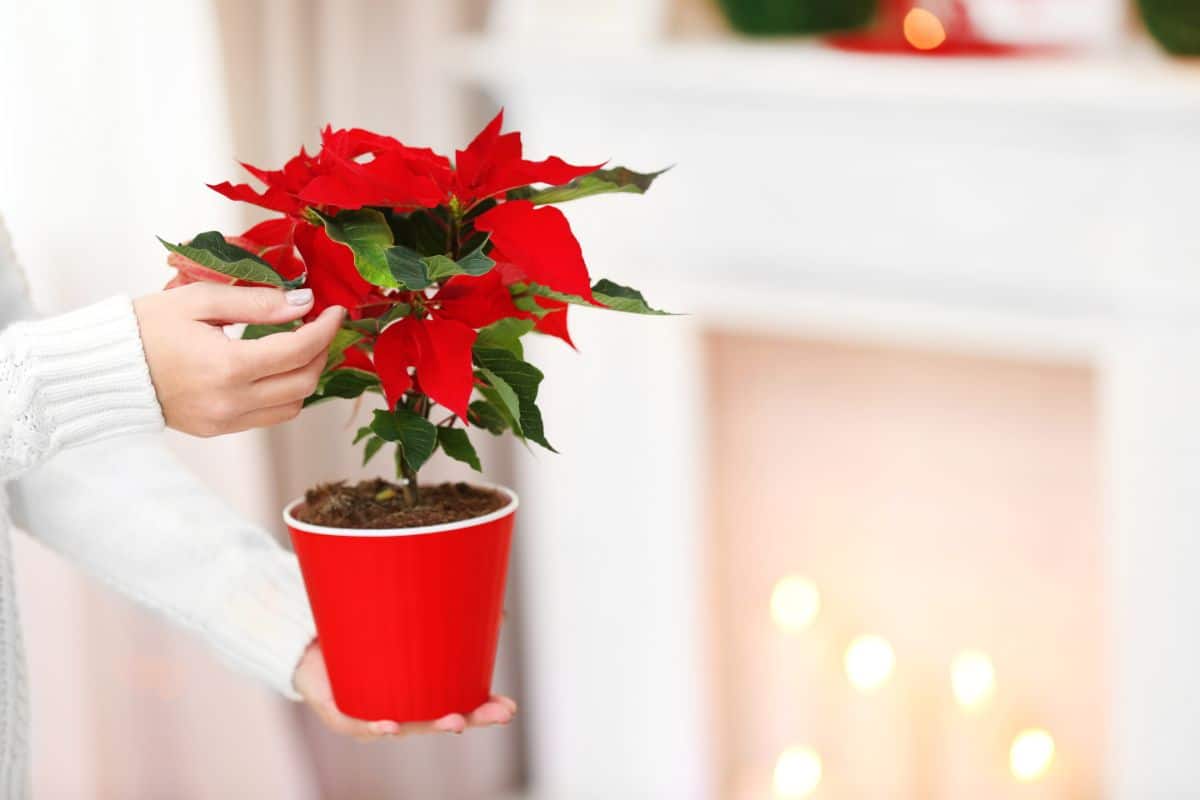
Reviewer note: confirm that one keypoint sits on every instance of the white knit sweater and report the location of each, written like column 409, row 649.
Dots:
column 81, row 471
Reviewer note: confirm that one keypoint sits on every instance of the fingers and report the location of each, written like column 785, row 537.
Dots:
column 221, row 304
column 451, row 723
column 288, row 387
column 363, row 731
column 497, row 711
column 385, row 728
column 265, row 417
column 491, row 713
column 284, row 352
column 507, row 702
column 357, row 729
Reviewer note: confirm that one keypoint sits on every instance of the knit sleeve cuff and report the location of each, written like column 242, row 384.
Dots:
column 264, row 624
column 89, row 374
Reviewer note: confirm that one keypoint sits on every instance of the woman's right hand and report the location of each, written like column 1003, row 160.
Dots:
column 311, row 681
column 208, row 384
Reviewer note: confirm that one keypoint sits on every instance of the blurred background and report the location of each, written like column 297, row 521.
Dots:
column 905, row 507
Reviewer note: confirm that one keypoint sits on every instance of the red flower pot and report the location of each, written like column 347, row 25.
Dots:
column 408, row 618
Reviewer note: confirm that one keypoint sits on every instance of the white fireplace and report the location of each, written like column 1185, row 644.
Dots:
column 1036, row 216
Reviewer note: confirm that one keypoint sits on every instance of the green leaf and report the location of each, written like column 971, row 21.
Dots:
column 414, row 271
column 611, row 296
column 420, row 231
column 343, row 340
column 343, row 383
column 521, row 375
column 531, row 424
column 526, row 302
column 524, row 380
column 367, row 233
column 209, row 249
column 259, row 331
column 476, row 262
column 602, row 181
column 622, row 298
column 505, row 394
column 505, row 334
column 499, row 411
column 373, row 445
column 440, row 267
column 363, row 433
column 407, row 268
column 457, row 445
column 416, row 435
column 482, row 414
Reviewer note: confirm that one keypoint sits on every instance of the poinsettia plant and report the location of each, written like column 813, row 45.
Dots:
column 442, row 267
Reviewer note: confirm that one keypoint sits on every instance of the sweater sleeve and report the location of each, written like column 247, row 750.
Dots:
column 72, row 379
column 134, row 517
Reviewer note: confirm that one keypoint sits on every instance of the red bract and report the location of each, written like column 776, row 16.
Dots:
column 440, row 352
column 331, row 273
column 553, row 323
column 441, row 266
column 493, row 163
column 476, row 301
column 395, row 176
column 274, row 242
column 536, row 245
column 356, row 358
column 354, row 168
column 283, row 185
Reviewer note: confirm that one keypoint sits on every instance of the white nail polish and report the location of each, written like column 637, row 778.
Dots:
column 299, row 297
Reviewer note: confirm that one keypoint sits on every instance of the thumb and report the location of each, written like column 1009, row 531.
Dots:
column 221, row 304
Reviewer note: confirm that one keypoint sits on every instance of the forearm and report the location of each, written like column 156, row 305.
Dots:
column 140, row 522
column 70, row 380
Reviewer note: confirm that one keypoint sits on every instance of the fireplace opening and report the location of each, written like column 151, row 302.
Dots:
column 906, row 571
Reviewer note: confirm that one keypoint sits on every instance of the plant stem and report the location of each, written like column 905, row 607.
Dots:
column 411, row 489
column 418, row 404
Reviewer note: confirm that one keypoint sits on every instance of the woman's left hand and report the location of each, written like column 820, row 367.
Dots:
column 312, row 682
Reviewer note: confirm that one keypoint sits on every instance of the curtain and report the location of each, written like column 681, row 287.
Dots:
column 113, row 116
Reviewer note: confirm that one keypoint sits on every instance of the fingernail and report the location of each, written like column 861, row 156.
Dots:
column 299, row 297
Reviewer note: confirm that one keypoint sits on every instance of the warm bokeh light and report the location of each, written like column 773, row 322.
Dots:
column 923, row 30
column 869, row 662
column 797, row 773
column 795, row 603
column 973, row 678
column 1031, row 754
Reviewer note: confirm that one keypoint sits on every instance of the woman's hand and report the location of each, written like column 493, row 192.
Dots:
column 208, row 384
column 312, row 682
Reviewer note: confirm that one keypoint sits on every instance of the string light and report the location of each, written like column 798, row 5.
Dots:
column 797, row 773
column 973, row 679
column 869, row 662
column 1031, row 754
column 923, row 30
column 795, row 603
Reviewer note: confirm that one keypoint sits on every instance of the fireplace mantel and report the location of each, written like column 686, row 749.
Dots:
column 1041, row 208
column 741, row 72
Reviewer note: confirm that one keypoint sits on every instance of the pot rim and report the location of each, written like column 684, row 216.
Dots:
column 445, row 527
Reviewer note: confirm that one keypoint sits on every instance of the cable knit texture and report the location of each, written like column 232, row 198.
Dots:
column 70, row 380
column 75, row 393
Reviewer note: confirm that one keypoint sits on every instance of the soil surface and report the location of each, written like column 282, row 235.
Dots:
column 380, row 504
